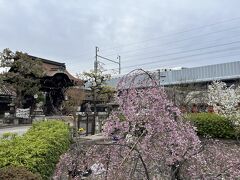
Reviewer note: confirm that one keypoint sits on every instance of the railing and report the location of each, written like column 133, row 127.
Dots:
column 85, row 122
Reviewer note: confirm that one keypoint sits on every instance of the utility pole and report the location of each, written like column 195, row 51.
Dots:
column 159, row 77
column 119, row 64
column 95, row 83
column 94, row 90
column 96, row 60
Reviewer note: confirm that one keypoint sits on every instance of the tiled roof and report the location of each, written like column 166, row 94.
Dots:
column 4, row 91
column 51, row 68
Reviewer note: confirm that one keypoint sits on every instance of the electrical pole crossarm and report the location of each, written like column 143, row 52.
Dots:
column 108, row 59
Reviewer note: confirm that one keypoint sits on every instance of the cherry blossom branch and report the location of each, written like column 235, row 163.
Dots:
column 226, row 169
column 131, row 148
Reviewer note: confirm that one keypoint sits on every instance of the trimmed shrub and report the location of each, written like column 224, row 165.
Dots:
column 39, row 149
column 16, row 173
column 213, row 125
column 9, row 135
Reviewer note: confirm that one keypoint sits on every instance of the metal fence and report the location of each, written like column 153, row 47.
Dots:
column 86, row 121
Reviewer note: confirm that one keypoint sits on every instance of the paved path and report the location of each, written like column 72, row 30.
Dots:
column 17, row 129
column 90, row 139
column 95, row 137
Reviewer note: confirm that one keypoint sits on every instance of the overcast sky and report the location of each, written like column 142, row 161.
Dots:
column 150, row 34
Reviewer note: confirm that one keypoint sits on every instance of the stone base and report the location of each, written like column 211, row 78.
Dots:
column 16, row 121
column 38, row 117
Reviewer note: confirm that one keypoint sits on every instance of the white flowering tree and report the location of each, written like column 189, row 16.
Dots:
column 224, row 99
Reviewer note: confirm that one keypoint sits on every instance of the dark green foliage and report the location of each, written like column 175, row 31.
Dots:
column 17, row 173
column 24, row 74
column 213, row 125
column 39, row 149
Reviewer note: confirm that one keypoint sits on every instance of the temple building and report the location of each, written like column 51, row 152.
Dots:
column 54, row 83
column 6, row 97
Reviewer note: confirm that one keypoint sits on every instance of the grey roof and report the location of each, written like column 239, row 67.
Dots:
column 48, row 61
column 224, row 71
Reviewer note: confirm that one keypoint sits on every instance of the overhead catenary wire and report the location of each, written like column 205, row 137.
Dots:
column 177, row 63
column 134, row 57
column 187, row 51
column 176, row 33
column 209, row 43
column 87, row 52
column 167, row 49
column 182, row 57
column 190, row 50
column 174, row 42
column 177, row 41
column 218, row 57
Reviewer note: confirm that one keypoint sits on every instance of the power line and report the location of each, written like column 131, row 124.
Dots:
column 216, row 40
column 219, row 57
column 189, row 60
column 180, row 52
column 191, row 50
column 179, row 47
column 181, row 32
column 173, row 48
column 87, row 52
column 167, row 35
column 182, row 57
column 176, row 33
column 185, row 39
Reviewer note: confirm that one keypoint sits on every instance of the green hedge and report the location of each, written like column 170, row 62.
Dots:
column 39, row 149
column 213, row 125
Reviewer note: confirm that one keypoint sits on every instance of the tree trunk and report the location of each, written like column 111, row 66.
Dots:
column 175, row 174
column 18, row 100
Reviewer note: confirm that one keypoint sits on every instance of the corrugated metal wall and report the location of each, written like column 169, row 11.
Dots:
column 197, row 74
column 200, row 74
